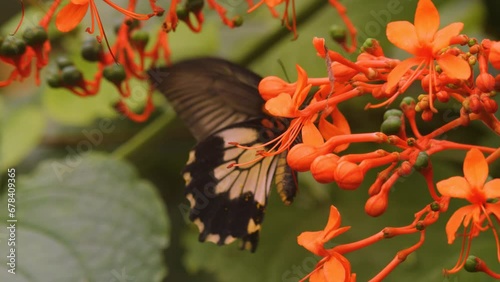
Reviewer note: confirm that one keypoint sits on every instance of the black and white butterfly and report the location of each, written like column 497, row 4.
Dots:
column 220, row 103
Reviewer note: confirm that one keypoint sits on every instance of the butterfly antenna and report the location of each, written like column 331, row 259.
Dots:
column 280, row 62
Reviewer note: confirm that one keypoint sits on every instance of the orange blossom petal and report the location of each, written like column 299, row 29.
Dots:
column 312, row 241
column 454, row 67
column 492, row 188
column 311, row 135
column 455, row 221
column 334, row 269
column 426, row 21
column 281, row 106
column 318, row 276
column 397, row 73
column 475, row 168
column 403, row 35
column 444, row 35
column 70, row 16
column 339, row 126
column 302, row 89
column 80, row 2
column 456, row 187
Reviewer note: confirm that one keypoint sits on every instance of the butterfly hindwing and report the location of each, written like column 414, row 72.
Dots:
column 228, row 203
column 220, row 103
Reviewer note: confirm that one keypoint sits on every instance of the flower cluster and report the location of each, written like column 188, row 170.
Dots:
column 443, row 61
column 127, row 57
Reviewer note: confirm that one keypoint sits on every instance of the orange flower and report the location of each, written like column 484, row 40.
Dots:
column 473, row 188
column 72, row 14
column 286, row 105
column 334, row 266
column 424, row 41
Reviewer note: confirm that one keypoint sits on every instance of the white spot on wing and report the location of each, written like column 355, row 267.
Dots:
column 253, row 176
column 191, row 200
column 221, row 171
column 214, row 238
column 226, row 183
column 200, row 224
column 191, row 157
column 252, row 227
column 187, row 177
column 229, row 239
column 232, row 153
column 235, row 191
column 240, row 135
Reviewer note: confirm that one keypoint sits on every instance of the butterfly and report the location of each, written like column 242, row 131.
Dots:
column 220, row 104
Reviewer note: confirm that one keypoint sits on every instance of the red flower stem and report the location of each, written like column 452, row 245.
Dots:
column 321, row 105
column 441, row 145
column 368, row 164
column 398, row 259
column 490, row 120
column 493, row 156
column 352, row 30
column 318, row 81
column 221, row 11
column 126, row 12
column 338, row 58
column 350, row 247
column 338, row 140
column 428, row 174
column 44, row 22
column 481, row 266
column 355, row 158
column 460, row 121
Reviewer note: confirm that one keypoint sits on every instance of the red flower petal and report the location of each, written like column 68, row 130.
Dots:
column 455, row 221
column 455, row 187
column 454, row 67
column 397, row 73
column 311, row 135
column 403, row 35
column 426, row 21
column 281, row 106
column 70, row 16
column 492, row 188
column 335, row 270
column 312, row 241
column 475, row 168
column 495, row 54
column 444, row 35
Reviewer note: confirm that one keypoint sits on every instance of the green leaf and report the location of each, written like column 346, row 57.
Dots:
column 21, row 131
column 97, row 221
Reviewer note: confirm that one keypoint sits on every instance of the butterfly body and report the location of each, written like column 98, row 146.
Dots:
column 220, row 104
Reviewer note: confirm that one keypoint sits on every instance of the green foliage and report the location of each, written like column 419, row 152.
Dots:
column 97, row 222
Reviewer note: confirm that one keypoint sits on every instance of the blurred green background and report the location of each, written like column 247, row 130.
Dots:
column 100, row 198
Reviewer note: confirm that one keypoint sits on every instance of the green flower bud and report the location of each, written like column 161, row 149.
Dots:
column 91, row 50
column 391, row 125
column 140, row 37
column 471, row 264
column 182, row 13
column 114, row 73
column 338, row 33
column 392, row 112
column 12, row 47
column 35, row 36
column 238, row 20
column 54, row 80
column 63, row 62
column 71, row 75
column 435, row 206
column 407, row 100
column 422, row 161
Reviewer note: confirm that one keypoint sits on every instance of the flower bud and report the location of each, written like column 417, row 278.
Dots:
column 35, row 36
column 91, row 50
column 392, row 112
column 376, row 205
column 71, row 75
column 238, row 20
column 301, row 156
column 194, row 5
column 471, row 264
column 114, row 73
column 140, row 38
column 323, row 167
column 494, row 57
column 391, row 126
column 63, row 62
column 485, row 82
column 422, row 161
column 54, row 79
column 272, row 86
column 338, row 33
column 443, row 96
column 348, row 175
column 489, row 105
column 12, row 47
